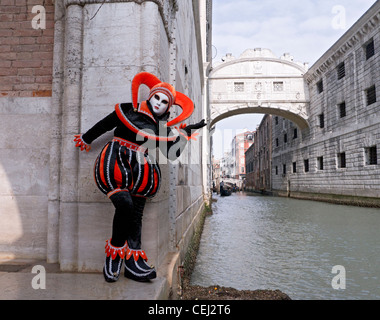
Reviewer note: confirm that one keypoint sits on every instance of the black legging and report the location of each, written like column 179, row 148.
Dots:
column 127, row 221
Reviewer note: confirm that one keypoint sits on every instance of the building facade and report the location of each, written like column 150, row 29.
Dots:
column 239, row 145
column 249, row 181
column 263, row 155
column 338, row 155
column 258, row 158
column 64, row 65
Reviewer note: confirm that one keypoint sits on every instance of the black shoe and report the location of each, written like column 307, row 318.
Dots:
column 114, row 261
column 136, row 267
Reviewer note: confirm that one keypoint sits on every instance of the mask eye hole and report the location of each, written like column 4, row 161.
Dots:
column 156, row 97
column 165, row 101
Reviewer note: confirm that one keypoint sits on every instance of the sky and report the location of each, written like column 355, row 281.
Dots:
column 305, row 29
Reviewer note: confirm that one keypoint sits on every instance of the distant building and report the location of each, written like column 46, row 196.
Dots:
column 215, row 173
column 249, row 182
column 259, row 158
column 227, row 165
column 240, row 144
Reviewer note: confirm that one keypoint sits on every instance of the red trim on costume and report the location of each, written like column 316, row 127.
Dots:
column 143, row 108
column 155, row 181
column 101, row 168
column 114, row 251
column 136, row 130
column 136, row 254
column 130, row 145
column 118, row 177
column 187, row 107
column 142, row 78
column 145, row 179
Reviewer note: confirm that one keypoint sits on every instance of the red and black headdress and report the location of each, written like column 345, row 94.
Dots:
column 155, row 85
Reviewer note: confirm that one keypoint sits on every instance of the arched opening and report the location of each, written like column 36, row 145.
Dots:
column 301, row 122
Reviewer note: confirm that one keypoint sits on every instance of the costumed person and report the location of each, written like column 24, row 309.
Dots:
column 128, row 175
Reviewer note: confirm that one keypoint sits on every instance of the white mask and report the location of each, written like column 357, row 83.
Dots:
column 159, row 103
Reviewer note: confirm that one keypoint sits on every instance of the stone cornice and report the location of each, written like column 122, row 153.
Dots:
column 166, row 9
column 348, row 41
column 252, row 59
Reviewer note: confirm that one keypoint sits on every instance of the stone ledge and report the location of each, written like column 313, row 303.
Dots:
column 16, row 284
column 331, row 198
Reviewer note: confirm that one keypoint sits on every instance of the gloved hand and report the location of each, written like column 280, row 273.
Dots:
column 189, row 128
column 81, row 144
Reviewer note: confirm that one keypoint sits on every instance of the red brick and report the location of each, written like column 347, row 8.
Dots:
column 9, row 25
column 28, row 40
column 47, row 63
column 27, row 71
column 5, row 63
column 6, row 17
column 26, row 93
column 35, row 2
column 27, row 25
column 44, row 86
column 11, row 80
column 6, row 32
column 45, row 40
column 46, row 71
column 26, row 64
column 44, row 79
column 10, row 9
column 6, row 87
column 42, row 93
column 8, row 56
column 7, row 2
column 42, row 55
column 27, row 79
column 48, row 32
column 24, row 55
column 46, row 47
column 20, row 2
column 25, row 87
column 21, row 17
column 9, row 40
column 6, row 48
column 26, row 47
column 8, row 71
column 27, row 33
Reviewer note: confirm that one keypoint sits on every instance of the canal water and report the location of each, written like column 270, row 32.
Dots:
column 309, row 250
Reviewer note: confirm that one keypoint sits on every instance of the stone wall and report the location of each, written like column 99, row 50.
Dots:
column 26, row 59
column 350, row 133
column 24, row 176
column 108, row 66
column 50, row 203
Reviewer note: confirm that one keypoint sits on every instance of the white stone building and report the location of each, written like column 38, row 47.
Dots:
column 337, row 156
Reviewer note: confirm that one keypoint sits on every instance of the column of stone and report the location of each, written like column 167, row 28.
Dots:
column 55, row 136
column 68, row 222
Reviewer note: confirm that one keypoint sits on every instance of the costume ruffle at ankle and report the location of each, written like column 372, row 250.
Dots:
column 114, row 261
column 137, row 269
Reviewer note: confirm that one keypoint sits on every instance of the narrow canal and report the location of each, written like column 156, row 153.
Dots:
column 259, row 242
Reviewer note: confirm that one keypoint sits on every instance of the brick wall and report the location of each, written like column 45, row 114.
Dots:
column 26, row 54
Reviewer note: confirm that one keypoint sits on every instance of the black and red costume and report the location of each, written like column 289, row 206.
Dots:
column 126, row 172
